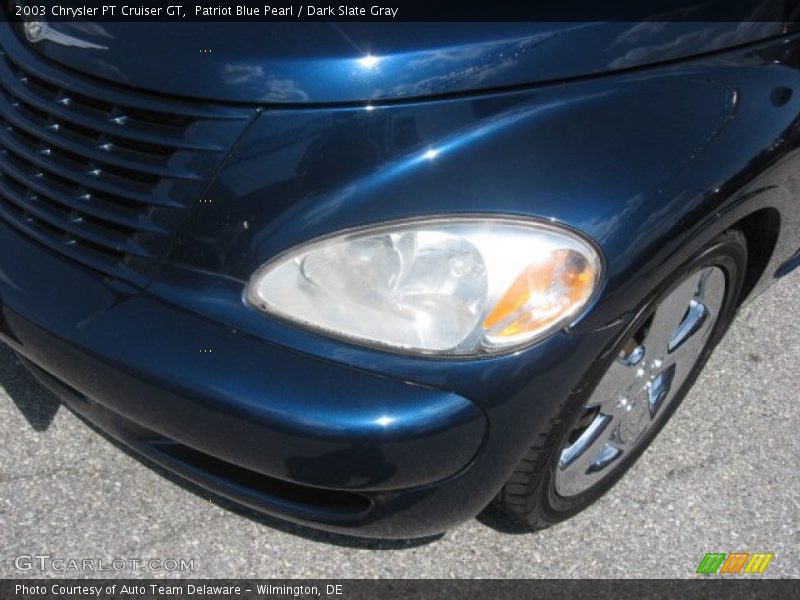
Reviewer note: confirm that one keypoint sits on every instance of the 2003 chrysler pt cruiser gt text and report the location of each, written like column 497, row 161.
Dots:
column 375, row 290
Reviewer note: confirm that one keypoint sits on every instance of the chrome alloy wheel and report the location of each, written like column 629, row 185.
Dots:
column 634, row 393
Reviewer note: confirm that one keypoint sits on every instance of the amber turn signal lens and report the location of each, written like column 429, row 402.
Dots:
column 542, row 294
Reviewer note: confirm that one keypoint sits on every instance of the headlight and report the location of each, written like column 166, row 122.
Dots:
column 450, row 286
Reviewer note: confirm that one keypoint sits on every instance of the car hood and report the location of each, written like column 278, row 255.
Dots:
column 291, row 63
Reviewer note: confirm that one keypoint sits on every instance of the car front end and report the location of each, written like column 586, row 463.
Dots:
column 205, row 266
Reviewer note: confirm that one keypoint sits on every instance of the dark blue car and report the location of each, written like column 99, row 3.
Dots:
column 374, row 277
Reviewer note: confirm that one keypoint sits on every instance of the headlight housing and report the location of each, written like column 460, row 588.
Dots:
column 445, row 286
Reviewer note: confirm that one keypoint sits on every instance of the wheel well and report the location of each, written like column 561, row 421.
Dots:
column 761, row 230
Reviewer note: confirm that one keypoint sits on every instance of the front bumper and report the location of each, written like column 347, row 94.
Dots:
column 291, row 435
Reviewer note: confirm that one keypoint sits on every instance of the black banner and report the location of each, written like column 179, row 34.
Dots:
column 400, row 10
column 389, row 589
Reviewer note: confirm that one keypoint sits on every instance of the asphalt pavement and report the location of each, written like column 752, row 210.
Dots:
column 723, row 476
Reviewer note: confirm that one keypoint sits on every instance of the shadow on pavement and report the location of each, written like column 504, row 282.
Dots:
column 494, row 518
column 37, row 405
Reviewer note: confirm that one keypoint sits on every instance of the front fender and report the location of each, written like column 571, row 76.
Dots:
column 650, row 164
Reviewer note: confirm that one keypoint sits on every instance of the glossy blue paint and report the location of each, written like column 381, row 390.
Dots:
column 634, row 161
column 290, row 63
column 651, row 163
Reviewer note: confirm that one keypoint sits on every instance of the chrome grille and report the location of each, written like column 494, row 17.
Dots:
column 100, row 173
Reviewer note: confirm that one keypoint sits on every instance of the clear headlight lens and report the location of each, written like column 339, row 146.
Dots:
column 451, row 286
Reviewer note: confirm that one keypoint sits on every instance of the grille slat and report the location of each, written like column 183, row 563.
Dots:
column 80, row 178
column 37, row 207
column 87, row 204
column 50, row 137
column 102, row 122
column 100, row 174
column 99, row 260
column 101, row 92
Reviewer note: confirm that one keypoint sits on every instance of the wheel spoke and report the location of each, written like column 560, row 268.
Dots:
column 660, row 389
column 692, row 335
column 694, row 321
column 669, row 315
column 592, row 439
column 585, row 460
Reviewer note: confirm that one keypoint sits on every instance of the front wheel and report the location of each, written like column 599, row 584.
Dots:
column 599, row 434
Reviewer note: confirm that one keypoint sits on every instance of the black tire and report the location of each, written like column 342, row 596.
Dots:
column 530, row 496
